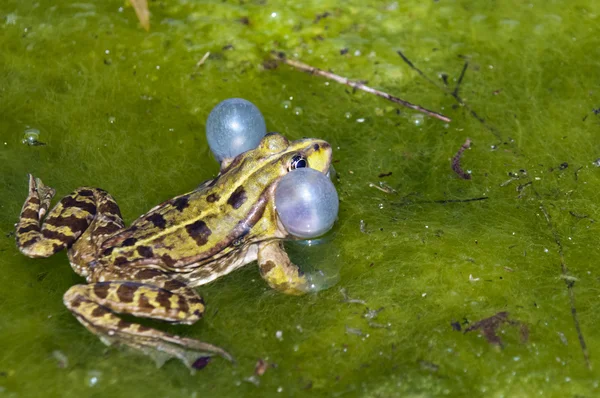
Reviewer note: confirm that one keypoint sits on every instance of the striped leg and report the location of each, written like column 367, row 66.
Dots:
column 66, row 222
column 95, row 305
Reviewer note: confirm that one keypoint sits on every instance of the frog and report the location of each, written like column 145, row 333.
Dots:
column 151, row 268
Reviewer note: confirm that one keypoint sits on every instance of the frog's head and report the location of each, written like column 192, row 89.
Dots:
column 251, row 178
column 275, row 155
column 306, row 152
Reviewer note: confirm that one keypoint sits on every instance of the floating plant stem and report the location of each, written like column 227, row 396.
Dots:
column 356, row 85
column 141, row 10
column 203, row 59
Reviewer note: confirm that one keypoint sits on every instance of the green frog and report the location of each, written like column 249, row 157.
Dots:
column 150, row 268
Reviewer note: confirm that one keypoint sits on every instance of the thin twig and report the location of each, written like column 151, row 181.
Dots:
column 460, row 79
column 203, row 59
column 356, row 85
column 569, row 282
column 441, row 201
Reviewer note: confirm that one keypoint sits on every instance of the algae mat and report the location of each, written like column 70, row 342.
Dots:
column 484, row 286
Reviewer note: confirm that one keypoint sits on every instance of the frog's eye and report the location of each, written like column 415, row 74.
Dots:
column 298, row 162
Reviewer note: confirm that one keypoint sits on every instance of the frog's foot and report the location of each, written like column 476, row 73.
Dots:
column 278, row 271
column 28, row 231
column 96, row 305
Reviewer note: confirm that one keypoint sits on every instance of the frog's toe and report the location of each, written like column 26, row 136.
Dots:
column 42, row 192
column 194, row 354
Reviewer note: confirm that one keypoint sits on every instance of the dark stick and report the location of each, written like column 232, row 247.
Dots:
column 460, row 79
column 453, row 94
column 569, row 282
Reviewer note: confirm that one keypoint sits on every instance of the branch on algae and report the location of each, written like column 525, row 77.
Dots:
column 355, row 85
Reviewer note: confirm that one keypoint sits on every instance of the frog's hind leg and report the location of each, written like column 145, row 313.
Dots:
column 95, row 306
column 64, row 224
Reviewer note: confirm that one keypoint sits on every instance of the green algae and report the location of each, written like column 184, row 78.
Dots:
column 124, row 109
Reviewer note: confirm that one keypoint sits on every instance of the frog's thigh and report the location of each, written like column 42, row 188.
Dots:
column 278, row 271
column 137, row 299
column 95, row 305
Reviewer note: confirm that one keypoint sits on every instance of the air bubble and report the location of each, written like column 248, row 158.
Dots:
column 93, row 378
column 348, row 115
column 112, row 119
column 286, row 104
column 298, row 111
column 31, row 137
column 417, row 119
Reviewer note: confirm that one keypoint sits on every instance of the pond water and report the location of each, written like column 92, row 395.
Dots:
column 457, row 273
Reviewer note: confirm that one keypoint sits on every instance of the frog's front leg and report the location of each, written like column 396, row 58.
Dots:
column 95, row 306
column 278, row 271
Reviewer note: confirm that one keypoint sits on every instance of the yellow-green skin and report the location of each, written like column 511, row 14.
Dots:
column 149, row 269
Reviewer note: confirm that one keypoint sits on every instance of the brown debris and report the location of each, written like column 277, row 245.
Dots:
column 321, row 16
column 488, row 327
column 261, row 367
column 456, row 161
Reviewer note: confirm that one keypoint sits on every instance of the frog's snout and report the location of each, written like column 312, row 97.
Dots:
column 319, row 156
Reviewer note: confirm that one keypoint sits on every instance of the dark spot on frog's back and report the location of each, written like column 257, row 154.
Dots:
column 168, row 260
column 316, row 147
column 237, row 198
column 158, row 220
column 145, row 251
column 181, row 203
column 121, row 261
column 129, row 242
column 213, row 197
column 199, row 231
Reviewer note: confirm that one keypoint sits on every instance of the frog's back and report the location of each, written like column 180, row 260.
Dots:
column 197, row 227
